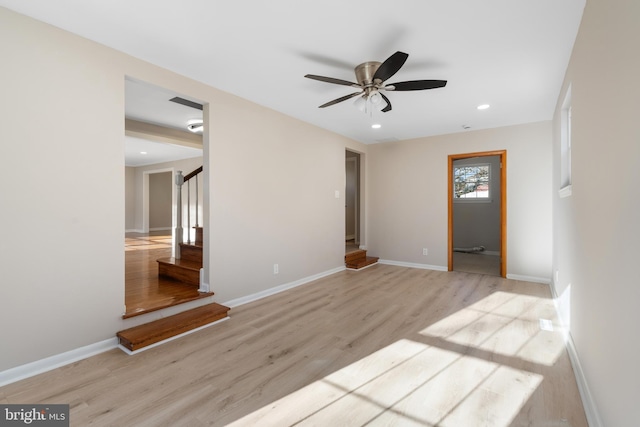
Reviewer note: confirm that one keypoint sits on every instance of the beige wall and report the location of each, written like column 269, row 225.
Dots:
column 130, row 198
column 408, row 196
column 270, row 182
column 596, row 229
column 141, row 188
column 160, row 200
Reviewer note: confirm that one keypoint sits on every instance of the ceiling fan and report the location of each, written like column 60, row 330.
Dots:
column 371, row 77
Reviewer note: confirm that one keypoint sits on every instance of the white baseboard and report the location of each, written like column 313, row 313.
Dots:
column 268, row 292
column 159, row 228
column 590, row 408
column 134, row 230
column 533, row 279
column 43, row 365
column 413, row 265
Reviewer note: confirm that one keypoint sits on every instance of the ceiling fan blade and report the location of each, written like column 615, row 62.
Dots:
column 342, row 98
column 388, row 107
column 417, row 85
column 332, row 80
column 390, row 66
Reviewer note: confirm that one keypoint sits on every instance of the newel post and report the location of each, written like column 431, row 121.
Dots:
column 178, row 230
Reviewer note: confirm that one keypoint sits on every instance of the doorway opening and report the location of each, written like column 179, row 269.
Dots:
column 158, row 147
column 352, row 201
column 477, row 236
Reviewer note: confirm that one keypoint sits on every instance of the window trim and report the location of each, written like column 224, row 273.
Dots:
column 565, row 145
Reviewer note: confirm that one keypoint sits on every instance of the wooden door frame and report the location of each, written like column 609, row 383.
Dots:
column 503, row 204
column 356, row 210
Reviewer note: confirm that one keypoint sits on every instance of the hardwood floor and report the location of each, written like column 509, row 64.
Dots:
column 144, row 290
column 384, row 346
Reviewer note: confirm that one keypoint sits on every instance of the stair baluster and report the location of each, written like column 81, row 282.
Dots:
column 178, row 231
column 197, row 225
column 189, row 212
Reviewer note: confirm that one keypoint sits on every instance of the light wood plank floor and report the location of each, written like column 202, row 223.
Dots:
column 144, row 290
column 386, row 345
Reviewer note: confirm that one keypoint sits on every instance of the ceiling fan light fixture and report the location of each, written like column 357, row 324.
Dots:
column 375, row 97
column 360, row 103
column 195, row 125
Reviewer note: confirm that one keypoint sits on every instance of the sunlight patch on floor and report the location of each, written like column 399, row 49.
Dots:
column 407, row 383
column 505, row 324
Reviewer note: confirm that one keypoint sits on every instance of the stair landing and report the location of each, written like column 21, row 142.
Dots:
column 142, row 336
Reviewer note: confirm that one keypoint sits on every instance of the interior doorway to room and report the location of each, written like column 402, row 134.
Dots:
column 158, row 144
column 352, row 201
column 477, row 212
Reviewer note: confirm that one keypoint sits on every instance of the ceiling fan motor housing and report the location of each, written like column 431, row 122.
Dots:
column 365, row 72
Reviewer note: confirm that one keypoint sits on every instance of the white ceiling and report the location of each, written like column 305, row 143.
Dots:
column 509, row 54
column 148, row 103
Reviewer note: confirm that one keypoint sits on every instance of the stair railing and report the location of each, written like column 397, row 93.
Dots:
column 179, row 230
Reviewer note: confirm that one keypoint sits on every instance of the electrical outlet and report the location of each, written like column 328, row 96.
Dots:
column 425, row 251
column 275, row 269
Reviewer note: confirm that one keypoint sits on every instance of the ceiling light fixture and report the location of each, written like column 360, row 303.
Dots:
column 483, row 106
column 195, row 125
column 371, row 100
column 143, row 152
column 376, row 126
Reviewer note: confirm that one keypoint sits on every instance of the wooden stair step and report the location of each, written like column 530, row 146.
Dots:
column 351, row 257
column 183, row 270
column 159, row 330
column 363, row 263
column 191, row 252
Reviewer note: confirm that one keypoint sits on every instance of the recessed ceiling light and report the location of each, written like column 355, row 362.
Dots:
column 143, row 152
column 483, row 106
column 376, row 126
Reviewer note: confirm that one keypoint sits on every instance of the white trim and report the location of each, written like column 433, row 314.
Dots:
column 413, row 265
column 590, row 408
column 272, row 291
column 565, row 191
column 160, row 228
column 362, row 268
column 533, row 279
column 131, row 353
column 134, row 230
column 43, row 365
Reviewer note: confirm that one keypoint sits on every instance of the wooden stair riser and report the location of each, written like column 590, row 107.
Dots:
column 151, row 333
column 183, row 271
column 363, row 263
column 351, row 257
column 191, row 252
column 359, row 259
